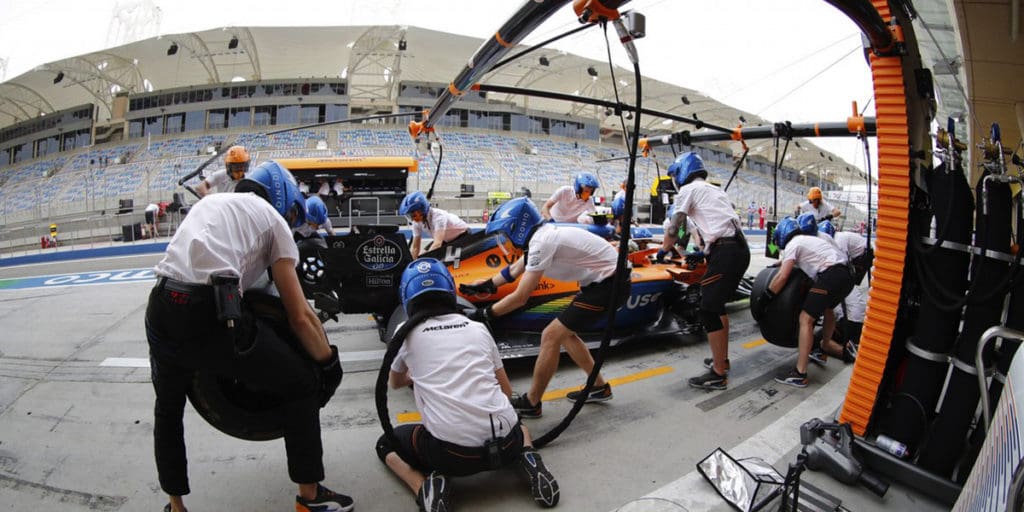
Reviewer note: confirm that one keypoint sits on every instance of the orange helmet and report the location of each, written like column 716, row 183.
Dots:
column 813, row 193
column 236, row 160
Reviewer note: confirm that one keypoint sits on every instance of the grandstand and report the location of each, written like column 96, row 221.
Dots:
column 77, row 167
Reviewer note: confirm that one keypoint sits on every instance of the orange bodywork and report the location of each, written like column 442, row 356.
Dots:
column 488, row 263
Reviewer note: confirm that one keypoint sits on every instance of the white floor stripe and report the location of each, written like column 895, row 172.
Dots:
column 365, row 355
column 695, row 493
column 126, row 362
column 142, row 362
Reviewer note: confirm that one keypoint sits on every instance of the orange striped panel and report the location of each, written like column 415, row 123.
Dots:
column 891, row 245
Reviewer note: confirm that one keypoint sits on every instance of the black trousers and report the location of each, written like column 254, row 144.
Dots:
column 184, row 335
column 421, row 450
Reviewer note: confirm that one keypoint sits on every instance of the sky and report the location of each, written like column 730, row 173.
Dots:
column 795, row 60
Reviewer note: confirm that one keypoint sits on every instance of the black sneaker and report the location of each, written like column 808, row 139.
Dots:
column 849, row 352
column 792, row 378
column 710, row 380
column 818, row 357
column 434, row 495
column 543, row 485
column 709, row 363
column 521, row 403
column 601, row 394
column 326, row 501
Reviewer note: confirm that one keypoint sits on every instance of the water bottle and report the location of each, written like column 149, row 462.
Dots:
column 892, row 446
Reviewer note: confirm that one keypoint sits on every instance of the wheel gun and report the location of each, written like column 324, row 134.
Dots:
column 829, row 448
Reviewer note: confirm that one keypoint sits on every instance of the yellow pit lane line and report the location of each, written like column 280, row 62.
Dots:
column 755, row 343
column 406, row 417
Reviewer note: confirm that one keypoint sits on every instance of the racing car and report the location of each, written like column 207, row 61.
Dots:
column 358, row 273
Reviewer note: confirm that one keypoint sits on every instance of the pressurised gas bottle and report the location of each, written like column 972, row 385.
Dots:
column 892, row 446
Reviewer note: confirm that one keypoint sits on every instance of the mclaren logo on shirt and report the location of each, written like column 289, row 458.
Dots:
column 446, row 327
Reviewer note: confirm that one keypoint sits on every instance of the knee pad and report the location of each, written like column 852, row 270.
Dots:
column 712, row 321
column 383, row 447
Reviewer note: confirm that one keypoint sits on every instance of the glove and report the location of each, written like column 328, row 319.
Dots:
column 660, row 256
column 485, row 287
column 827, row 217
column 483, row 315
column 331, row 376
column 695, row 258
column 758, row 310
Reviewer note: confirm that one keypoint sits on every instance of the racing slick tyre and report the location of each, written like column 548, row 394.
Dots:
column 236, row 410
column 779, row 323
column 233, row 407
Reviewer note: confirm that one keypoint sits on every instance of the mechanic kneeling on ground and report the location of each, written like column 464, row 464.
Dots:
column 716, row 224
column 827, row 266
column 462, row 393
column 564, row 253
column 850, row 313
column 195, row 321
column 442, row 226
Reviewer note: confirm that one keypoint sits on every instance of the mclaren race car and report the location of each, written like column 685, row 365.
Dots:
column 359, row 272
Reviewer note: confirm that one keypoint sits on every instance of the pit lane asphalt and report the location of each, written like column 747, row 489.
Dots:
column 77, row 435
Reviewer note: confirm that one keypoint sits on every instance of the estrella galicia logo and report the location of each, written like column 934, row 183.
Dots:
column 379, row 254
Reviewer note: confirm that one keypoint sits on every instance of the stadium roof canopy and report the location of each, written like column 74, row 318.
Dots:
column 368, row 58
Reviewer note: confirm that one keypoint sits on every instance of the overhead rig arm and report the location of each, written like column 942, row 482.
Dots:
column 504, row 89
column 529, row 16
column 852, row 128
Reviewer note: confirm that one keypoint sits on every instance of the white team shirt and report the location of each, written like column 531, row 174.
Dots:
column 304, row 188
column 220, row 182
column 851, row 243
column 568, row 207
column 440, row 224
column 812, row 254
column 451, row 361
column 824, row 236
column 306, row 230
column 710, row 210
column 856, row 304
column 823, row 210
column 568, row 253
column 237, row 234
column 153, row 207
column 324, row 190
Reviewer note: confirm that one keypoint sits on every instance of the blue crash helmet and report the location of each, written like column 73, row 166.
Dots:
column 415, row 202
column 640, row 233
column 827, row 228
column 515, row 219
column 281, row 191
column 422, row 276
column 585, row 179
column 619, row 206
column 316, row 210
column 807, row 223
column 687, row 166
column 785, row 231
